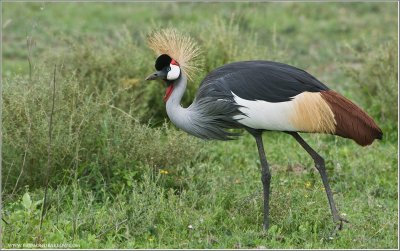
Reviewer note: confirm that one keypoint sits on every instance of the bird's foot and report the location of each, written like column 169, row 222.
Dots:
column 339, row 225
column 339, row 222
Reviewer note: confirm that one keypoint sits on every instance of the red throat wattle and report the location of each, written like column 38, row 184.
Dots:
column 170, row 87
column 168, row 92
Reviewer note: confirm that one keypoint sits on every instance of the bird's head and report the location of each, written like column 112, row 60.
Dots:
column 178, row 55
column 167, row 69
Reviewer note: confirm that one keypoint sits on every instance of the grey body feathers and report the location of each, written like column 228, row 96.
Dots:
column 212, row 113
column 209, row 116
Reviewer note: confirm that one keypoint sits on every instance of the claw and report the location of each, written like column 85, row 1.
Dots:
column 339, row 224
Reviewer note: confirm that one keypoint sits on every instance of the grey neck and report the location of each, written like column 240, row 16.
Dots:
column 204, row 118
column 179, row 116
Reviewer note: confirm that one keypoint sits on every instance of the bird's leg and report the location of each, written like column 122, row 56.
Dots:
column 320, row 165
column 265, row 177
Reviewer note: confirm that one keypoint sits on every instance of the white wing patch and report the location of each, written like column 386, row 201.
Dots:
column 261, row 114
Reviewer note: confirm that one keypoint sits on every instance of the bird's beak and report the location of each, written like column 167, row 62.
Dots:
column 157, row 75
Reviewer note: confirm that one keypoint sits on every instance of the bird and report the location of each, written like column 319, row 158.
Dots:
column 257, row 96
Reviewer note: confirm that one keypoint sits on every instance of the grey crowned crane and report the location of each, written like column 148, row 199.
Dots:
column 257, row 96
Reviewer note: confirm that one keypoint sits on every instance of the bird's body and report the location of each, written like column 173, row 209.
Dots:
column 269, row 96
column 257, row 96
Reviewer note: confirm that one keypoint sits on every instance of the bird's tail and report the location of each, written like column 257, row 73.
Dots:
column 351, row 121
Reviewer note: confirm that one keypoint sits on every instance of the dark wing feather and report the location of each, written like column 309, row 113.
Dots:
column 260, row 80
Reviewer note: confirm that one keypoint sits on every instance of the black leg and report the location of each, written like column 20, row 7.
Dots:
column 320, row 165
column 265, row 177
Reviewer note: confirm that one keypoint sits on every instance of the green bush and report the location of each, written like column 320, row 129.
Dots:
column 120, row 63
column 90, row 135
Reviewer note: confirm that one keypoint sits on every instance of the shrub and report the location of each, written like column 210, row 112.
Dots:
column 120, row 63
column 91, row 135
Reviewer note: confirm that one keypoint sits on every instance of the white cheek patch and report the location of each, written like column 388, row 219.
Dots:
column 174, row 72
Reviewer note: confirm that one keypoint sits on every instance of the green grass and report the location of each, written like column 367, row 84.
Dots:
column 123, row 177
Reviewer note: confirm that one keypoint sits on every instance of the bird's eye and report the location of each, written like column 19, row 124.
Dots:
column 168, row 68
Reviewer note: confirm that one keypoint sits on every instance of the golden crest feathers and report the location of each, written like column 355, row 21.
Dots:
column 179, row 47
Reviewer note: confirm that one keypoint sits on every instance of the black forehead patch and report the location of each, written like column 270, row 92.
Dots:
column 162, row 61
